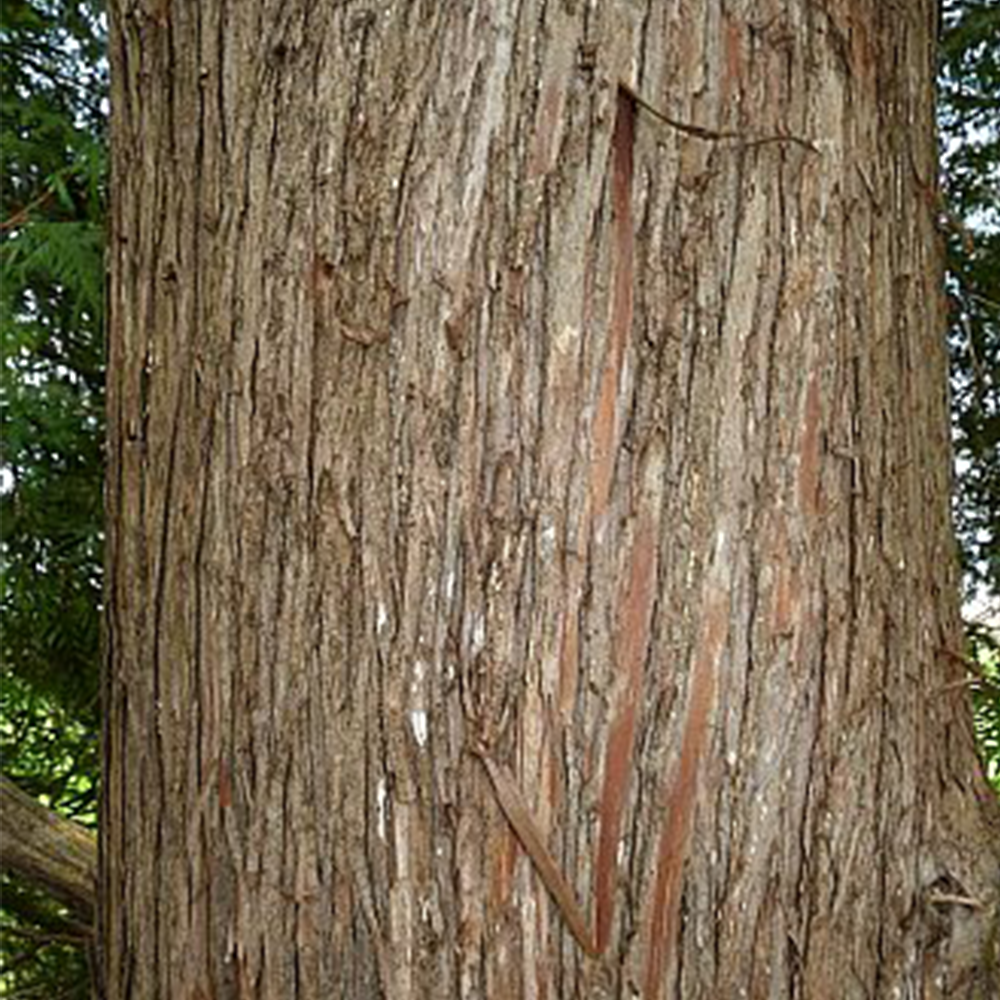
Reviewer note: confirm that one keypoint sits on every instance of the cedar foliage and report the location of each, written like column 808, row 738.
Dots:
column 53, row 121
column 969, row 99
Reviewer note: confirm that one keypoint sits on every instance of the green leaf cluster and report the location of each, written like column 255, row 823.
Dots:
column 52, row 217
column 969, row 121
column 45, row 951
column 986, row 701
column 53, row 122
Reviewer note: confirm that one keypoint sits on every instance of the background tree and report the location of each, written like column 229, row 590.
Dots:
column 970, row 135
column 483, row 441
column 969, row 90
column 52, row 126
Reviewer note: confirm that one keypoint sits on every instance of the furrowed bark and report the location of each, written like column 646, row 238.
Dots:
column 456, row 399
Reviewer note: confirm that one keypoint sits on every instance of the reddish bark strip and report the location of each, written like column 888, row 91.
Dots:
column 622, row 144
column 634, row 614
column 681, row 797
column 632, row 641
column 603, row 430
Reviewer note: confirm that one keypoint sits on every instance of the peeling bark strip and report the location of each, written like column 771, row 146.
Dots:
column 622, row 152
column 527, row 829
column 681, row 796
column 635, row 606
column 634, row 617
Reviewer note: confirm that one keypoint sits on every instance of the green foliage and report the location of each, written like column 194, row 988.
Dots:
column 58, row 753
column 986, row 699
column 969, row 117
column 52, row 207
column 52, row 211
column 45, row 955
column 55, row 757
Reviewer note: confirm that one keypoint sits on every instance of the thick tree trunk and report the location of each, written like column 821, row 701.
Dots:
column 499, row 469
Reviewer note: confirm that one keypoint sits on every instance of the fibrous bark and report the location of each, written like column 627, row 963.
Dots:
column 458, row 401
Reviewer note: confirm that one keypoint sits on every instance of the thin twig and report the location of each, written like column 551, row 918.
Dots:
column 712, row 135
column 953, row 899
column 20, row 217
column 43, row 938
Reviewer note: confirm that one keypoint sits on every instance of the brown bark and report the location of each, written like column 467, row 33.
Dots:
column 458, row 402
column 47, row 850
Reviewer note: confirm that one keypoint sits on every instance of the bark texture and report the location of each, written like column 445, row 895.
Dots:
column 459, row 402
column 47, row 850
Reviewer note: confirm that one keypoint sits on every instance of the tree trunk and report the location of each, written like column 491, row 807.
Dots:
column 529, row 451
